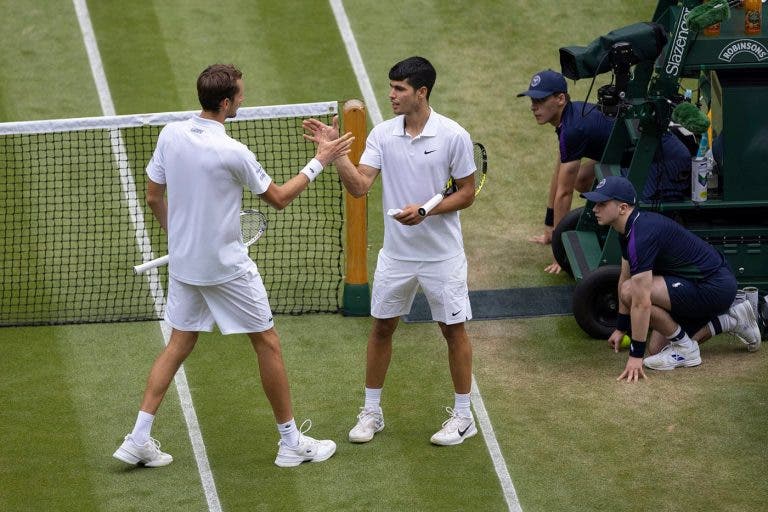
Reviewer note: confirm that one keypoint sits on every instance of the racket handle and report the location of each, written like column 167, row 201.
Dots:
column 427, row 207
column 157, row 262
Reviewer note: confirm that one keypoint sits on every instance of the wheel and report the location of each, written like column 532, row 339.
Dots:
column 567, row 223
column 596, row 301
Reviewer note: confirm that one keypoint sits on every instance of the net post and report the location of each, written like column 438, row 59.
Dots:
column 357, row 296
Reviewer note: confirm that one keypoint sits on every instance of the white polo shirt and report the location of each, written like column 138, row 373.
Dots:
column 412, row 171
column 205, row 171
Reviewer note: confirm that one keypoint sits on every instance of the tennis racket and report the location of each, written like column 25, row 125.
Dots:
column 481, row 166
column 253, row 224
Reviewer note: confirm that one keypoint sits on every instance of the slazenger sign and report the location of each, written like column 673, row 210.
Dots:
column 749, row 46
column 679, row 44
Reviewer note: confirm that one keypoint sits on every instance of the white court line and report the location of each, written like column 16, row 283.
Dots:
column 369, row 97
column 129, row 191
column 357, row 60
column 499, row 464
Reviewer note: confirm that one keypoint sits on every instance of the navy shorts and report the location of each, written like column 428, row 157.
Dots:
column 695, row 303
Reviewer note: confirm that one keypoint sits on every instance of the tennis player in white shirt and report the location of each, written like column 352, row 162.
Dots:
column 196, row 179
column 415, row 153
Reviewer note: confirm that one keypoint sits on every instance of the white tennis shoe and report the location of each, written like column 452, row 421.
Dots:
column 674, row 356
column 369, row 422
column 455, row 429
column 148, row 454
column 309, row 449
column 746, row 328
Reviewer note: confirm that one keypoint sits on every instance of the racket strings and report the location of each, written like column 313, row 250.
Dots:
column 252, row 224
column 481, row 166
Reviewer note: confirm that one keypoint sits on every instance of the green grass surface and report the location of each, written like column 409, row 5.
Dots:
column 573, row 438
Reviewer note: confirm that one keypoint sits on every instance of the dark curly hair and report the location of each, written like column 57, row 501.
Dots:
column 417, row 71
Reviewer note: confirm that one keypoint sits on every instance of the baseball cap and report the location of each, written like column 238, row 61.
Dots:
column 545, row 83
column 613, row 187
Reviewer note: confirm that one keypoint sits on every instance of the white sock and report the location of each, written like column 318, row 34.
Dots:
column 711, row 328
column 289, row 433
column 372, row 399
column 461, row 404
column 680, row 338
column 143, row 428
column 727, row 322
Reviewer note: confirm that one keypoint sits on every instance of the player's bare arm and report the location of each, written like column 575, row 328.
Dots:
column 358, row 180
column 157, row 203
column 462, row 198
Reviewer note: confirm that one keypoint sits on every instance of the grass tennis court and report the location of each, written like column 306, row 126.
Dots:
column 572, row 438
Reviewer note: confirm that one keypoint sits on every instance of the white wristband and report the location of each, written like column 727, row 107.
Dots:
column 312, row 170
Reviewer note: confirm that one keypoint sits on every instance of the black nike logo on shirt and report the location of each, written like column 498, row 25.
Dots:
column 456, row 313
column 430, row 151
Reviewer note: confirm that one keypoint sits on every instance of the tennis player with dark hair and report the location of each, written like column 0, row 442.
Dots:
column 583, row 131
column 211, row 279
column 671, row 281
column 415, row 153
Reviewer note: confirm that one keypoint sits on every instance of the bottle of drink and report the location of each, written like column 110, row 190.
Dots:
column 700, row 171
column 712, row 30
column 753, row 14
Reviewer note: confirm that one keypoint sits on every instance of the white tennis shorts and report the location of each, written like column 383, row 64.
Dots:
column 444, row 284
column 237, row 306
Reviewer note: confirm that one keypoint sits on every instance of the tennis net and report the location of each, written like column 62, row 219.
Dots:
column 74, row 220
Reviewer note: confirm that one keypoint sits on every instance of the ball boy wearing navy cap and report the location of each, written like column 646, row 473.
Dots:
column 583, row 132
column 545, row 83
column 671, row 281
column 613, row 187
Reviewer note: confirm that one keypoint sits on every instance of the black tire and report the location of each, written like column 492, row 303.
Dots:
column 567, row 223
column 596, row 301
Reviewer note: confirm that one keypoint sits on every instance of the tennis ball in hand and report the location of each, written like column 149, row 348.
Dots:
column 625, row 341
